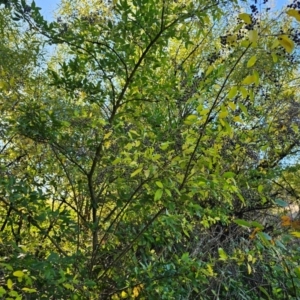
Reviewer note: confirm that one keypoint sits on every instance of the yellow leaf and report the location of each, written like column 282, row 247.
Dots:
column 232, row 105
column 237, row 119
column 222, row 254
column 249, row 79
column 244, row 92
column 246, row 18
column 256, row 77
column 209, row 70
column 231, row 39
column 2, row 84
column 249, row 269
column 251, row 62
column 253, row 234
column 159, row 184
column 18, row 273
column 135, row 292
column 139, row 170
column 107, row 135
column 286, row 43
column 210, row 270
column 204, row 112
column 294, row 13
column 285, row 221
column 296, row 234
column 9, row 283
column 191, row 119
column 275, row 44
column 223, row 114
column 253, row 36
column 275, row 57
column 245, row 43
column 124, row 295
column 29, row 290
column 232, row 93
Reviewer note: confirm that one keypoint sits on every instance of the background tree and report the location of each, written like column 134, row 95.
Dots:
column 148, row 160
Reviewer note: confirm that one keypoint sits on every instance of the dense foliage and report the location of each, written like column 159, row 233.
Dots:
column 149, row 150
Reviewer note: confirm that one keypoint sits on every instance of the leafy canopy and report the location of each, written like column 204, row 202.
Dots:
column 152, row 154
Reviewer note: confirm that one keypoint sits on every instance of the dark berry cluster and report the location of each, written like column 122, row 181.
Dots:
column 254, row 9
column 213, row 57
column 223, row 40
column 294, row 5
column 294, row 34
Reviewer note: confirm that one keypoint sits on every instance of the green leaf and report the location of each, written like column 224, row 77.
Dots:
column 159, row 184
column 232, row 93
column 158, row 194
column 29, row 290
column 251, row 62
column 222, row 254
column 68, row 286
column 139, row 170
column 241, row 222
column 243, row 108
column 265, row 237
column 253, row 36
column 13, row 294
column 297, row 272
column 257, row 225
column 164, row 146
column 191, row 119
column 229, row 175
column 263, row 290
column 281, row 203
column 168, row 192
column 246, row 18
column 2, row 291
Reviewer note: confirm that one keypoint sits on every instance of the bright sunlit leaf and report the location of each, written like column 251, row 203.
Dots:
column 286, row 43
column 139, row 170
column 222, row 254
column 158, row 194
column 246, row 18
column 294, row 13
column 232, row 93
column 296, row 234
column 9, row 283
column 249, row 80
column 251, row 62
column 18, row 273
column 253, row 36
